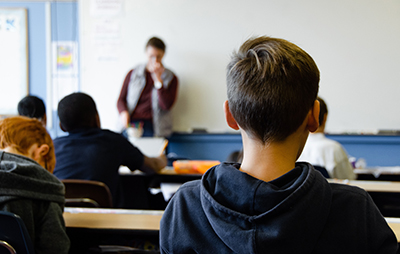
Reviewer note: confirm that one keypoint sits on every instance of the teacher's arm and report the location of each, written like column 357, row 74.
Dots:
column 167, row 95
column 122, row 104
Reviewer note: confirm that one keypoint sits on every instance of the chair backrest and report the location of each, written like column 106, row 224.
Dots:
column 86, row 193
column 14, row 237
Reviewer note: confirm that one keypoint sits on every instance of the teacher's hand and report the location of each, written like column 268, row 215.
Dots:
column 125, row 119
column 156, row 69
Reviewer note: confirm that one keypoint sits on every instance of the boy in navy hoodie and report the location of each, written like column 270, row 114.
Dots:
column 270, row 203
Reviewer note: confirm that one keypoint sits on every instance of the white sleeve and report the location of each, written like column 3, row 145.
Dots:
column 343, row 168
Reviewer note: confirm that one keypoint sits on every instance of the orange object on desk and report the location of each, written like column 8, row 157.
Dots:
column 193, row 167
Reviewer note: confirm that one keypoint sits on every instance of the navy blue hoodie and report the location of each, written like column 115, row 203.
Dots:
column 229, row 211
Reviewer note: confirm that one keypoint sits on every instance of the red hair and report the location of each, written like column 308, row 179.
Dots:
column 22, row 132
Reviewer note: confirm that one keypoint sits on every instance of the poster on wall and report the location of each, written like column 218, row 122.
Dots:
column 64, row 69
column 65, row 56
column 14, row 58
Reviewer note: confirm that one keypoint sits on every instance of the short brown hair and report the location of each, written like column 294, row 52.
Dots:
column 271, row 84
column 21, row 133
column 156, row 43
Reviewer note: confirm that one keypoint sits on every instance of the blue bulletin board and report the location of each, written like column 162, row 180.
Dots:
column 13, row 58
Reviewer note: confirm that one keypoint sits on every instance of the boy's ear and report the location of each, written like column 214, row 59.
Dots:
column 313, row 117
column 229, row 118
column 44, row 150
column 37, row 153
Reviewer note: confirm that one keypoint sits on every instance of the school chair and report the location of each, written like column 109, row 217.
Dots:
column 87, row 193
column 14, row 237
column 119, row 250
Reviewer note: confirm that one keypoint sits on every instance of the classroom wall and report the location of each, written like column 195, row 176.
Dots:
column 354, row 43
column 59, row 20
column 36, row 45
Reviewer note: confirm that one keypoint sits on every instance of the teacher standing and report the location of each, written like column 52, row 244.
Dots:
column 148, row 93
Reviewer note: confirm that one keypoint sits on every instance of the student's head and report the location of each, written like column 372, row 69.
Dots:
column 272, row 84
column 27, row 136
column 33, row 107
column 323, row 114
column 155, row 50
column 77, row 111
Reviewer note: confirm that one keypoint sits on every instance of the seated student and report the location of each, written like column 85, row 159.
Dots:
column 322, row 151
column 270, row 203
column 27, row 187
column 91, row 153
column 33, row 107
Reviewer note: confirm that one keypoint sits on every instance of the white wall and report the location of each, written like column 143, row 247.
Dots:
column 355, row 44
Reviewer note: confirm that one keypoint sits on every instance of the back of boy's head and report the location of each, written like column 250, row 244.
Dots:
column 272, row 84
column 76, row 111
column 31, row 106
column 323, row 110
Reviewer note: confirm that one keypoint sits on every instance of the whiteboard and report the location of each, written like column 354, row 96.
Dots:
column 354, row 43
column 13, row 58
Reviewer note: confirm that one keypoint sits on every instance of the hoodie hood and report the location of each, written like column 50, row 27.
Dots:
column 21, row 177
column 273, row 215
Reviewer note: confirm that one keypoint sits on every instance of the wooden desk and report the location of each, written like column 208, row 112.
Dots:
column 139, row 183
column 371, row 186
column 394, row 224
column 88, row 228
column 379, row 173
column 119, row 219
column 135, row 221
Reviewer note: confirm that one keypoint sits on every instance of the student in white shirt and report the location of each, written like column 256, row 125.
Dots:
column 322, row 151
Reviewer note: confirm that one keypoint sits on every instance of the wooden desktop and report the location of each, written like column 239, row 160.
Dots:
column 135, row 222
column 371, row 186
column 121, row 219
column 89, row 227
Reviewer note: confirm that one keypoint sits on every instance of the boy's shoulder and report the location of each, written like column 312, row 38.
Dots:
column 187, row 198
column 189, row 190
column 348, row 190
column 351, row 198
column 92, row 133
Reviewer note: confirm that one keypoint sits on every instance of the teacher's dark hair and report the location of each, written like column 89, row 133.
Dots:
column 156, row 43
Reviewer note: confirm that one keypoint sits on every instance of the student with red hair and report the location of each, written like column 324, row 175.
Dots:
column 28, row 187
